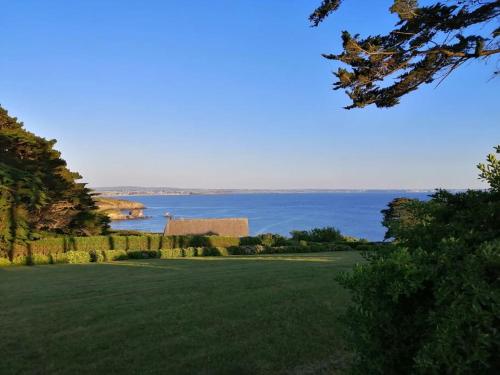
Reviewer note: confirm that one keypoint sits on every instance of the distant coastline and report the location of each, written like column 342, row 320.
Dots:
column 117, row 191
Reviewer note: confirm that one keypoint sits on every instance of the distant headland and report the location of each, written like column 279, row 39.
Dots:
column 141, row 190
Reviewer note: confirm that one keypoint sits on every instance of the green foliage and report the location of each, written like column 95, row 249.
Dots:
column 21, row 260
column 38, row 192
column 328, row 234
column 430, row 303
column 4, row 262
column 96, row 256
column 271, row 239
column 220, row 241
column 78, row 257
column 171, row 253
column 428, row 42
column 143, row 254
column 49, row 245
column 118, row 242
column 37, row 259
column 89, row 243
column 111, row 255
column 490, row 172
column 58, row 258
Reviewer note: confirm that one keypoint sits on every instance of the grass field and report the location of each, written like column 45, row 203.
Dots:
column 220, row 315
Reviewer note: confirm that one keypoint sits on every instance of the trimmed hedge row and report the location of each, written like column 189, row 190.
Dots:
column 113, row 255
column 49, row 246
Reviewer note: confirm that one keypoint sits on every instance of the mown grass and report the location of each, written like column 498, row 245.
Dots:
column 210, row 315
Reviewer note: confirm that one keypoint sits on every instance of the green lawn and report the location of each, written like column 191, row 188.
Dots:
column 207, row 315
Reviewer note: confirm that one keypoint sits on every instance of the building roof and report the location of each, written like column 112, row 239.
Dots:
column 231, row 227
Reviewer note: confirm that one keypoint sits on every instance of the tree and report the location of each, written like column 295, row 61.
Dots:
column 38, row 193
column 428, row 43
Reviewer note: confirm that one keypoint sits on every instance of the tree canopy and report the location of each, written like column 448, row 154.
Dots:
column 38, row 193
column 427, row 44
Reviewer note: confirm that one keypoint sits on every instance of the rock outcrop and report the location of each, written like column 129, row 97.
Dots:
column 120, row 209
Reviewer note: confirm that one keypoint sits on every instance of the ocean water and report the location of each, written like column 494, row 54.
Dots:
column 355, row 214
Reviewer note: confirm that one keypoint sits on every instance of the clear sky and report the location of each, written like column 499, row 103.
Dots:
column 230, row 94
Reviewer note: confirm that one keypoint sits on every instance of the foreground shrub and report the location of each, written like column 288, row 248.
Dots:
column 430, row 304
column 111, row 255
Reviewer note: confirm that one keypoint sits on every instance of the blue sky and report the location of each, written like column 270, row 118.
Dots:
column 230, row 94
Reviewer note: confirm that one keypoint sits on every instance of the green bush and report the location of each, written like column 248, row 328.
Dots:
column 270, row 239
column 111, row 255
column 328, row 234
column 143, row 254
column 96, row 256
column 21, row 260
column 57, row 258
column 171, row 253
column 77, row 257
column 429, row 304
column 37, row 259
column 4, row 262
column 249, row 241
column 190, row 252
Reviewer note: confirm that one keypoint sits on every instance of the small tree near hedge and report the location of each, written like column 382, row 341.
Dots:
column 430, row 305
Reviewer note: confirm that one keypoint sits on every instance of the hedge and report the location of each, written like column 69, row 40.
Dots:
column 4, row 262
column 116, row 247
column 110, row 255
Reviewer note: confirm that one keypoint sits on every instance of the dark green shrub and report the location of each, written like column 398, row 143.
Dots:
column 249, row 241
column 221, row 251
column 270, row 239
column 143, row 254
column 96, row 256
column 429, row 305
column 111, row 255
column 328, row 234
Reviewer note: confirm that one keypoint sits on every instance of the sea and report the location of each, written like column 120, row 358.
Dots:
column 353, row 213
